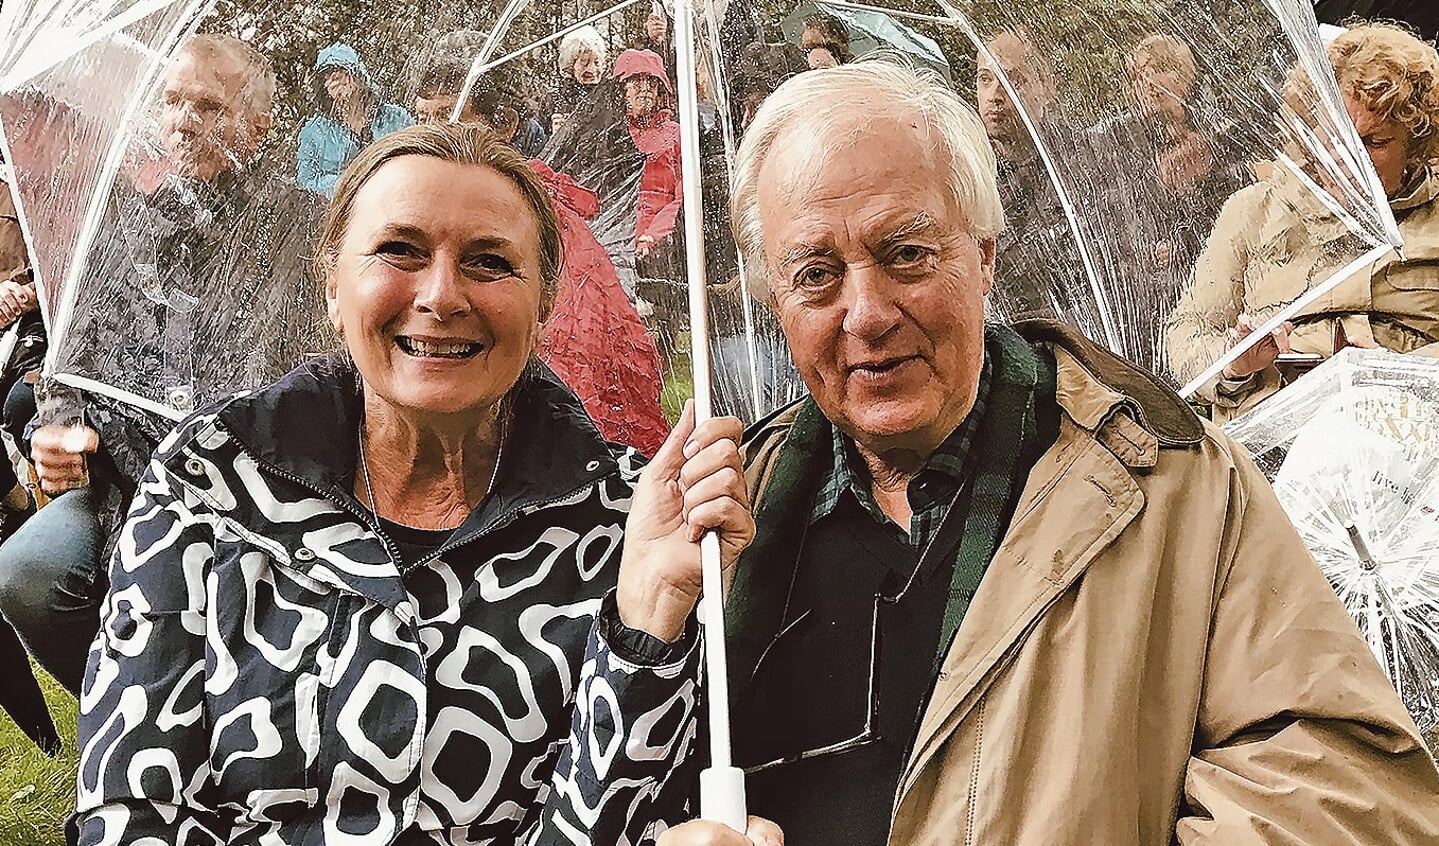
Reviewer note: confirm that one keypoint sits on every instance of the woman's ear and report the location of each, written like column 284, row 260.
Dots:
column 332, row 297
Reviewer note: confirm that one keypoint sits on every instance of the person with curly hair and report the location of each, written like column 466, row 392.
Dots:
column 1275, row 239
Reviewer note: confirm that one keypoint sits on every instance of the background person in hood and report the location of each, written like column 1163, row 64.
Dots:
column 1272, row 239
column 657, row 135
column 350, row 116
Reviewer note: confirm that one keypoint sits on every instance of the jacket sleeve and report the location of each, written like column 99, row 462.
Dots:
column 144, row 764
column 1300, row 739
column 310, row 172
column 623, row 775
column 1196, row 333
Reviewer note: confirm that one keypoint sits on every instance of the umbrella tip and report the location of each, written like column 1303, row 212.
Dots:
column 1365, row 558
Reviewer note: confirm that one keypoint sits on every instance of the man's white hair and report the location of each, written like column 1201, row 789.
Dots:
column 812, row 108
column 586, row 39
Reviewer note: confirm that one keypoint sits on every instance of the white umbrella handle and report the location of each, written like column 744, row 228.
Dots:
column 722, row 796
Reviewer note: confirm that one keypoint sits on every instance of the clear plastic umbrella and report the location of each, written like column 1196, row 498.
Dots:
column 1128, row 131
column 1353, row 451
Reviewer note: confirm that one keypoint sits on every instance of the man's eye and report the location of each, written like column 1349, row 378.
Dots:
column 910, row 254
column 813, row 277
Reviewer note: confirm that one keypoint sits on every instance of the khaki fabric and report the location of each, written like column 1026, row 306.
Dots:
column 1152, row 657
column 1272, row 242
column 13, row 257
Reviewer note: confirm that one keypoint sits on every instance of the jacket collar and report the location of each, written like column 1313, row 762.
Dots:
column 306, row 426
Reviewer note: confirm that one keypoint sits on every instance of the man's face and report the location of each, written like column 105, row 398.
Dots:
column 1159, row 91
column 642, row 95
column 587, row 69
column 877, row 281
column 1026, row 72
column 206, row 127
column 821, row 57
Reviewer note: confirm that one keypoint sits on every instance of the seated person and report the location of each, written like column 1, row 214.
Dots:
column 1274, row 239
column 400, row 595
column 199, row 284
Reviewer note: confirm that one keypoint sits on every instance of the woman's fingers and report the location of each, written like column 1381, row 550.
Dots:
column 758, row 832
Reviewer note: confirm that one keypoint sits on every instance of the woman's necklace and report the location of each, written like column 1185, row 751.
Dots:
column 370, row 486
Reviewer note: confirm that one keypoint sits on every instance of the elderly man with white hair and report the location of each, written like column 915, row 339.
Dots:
column 1007, row 588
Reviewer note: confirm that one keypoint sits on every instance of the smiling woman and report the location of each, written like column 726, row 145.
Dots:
column 389, row 599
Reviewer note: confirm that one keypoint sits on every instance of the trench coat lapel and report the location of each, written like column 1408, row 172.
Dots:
column 1044, row 552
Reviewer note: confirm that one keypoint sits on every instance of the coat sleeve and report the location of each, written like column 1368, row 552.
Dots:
column 1300, row 739
column 623, row 775
column 1196, row 333
column 310, row 171
column 144, row 766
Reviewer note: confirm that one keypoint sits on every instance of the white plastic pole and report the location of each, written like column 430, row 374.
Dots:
column 722, row 796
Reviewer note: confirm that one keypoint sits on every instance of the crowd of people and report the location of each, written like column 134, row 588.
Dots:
column 404, row 574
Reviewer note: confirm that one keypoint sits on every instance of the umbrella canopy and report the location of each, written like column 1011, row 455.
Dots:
column 1136, row 140
column 1353, row 451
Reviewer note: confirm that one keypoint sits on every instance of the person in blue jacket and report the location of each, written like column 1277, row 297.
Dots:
column 352, row 116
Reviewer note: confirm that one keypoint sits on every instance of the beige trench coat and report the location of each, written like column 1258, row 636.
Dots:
column 1273, row 241
column 1152, row 657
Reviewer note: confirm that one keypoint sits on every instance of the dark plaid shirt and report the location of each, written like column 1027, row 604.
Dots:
column 931, row 490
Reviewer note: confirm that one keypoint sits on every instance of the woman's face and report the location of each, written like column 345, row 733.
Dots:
column 587, row 69
column 821, row 57
column 642, row 95
column 1387, row 141
column 341, row 85
column 436, row 289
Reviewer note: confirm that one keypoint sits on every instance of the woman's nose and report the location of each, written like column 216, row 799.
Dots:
column 442, row 290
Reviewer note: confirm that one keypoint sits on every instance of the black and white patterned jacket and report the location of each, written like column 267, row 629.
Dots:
column 265, row 675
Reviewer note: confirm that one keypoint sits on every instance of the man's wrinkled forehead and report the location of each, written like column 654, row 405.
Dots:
column 220, row 74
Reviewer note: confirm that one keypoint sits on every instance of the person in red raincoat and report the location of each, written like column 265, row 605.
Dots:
column 657, row 135
column 594, row 339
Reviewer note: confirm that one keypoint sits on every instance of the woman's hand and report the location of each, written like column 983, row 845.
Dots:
column 1262, row 354
column 694, row 484
column 758, row 832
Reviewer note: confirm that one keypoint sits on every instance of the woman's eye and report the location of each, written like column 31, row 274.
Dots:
column 397, row 249
column 489, row 266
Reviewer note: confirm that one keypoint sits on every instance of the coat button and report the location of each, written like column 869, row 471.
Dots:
column 304, row 553
column 195, row 467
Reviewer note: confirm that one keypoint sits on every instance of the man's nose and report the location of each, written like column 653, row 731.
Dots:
column 871, row 310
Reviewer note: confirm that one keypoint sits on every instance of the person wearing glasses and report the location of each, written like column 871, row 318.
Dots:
column 1005, row 587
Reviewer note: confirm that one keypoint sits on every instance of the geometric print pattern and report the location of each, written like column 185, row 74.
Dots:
column 265, row 675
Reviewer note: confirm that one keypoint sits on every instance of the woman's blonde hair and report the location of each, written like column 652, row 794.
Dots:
column 1395, row 75
column 1166, row 53
column 461, row 143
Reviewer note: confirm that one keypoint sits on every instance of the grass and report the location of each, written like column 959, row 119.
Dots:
column 37, row 792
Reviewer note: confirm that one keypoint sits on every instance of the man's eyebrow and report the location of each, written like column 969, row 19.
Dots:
column 800, row 252
column 922, row 222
